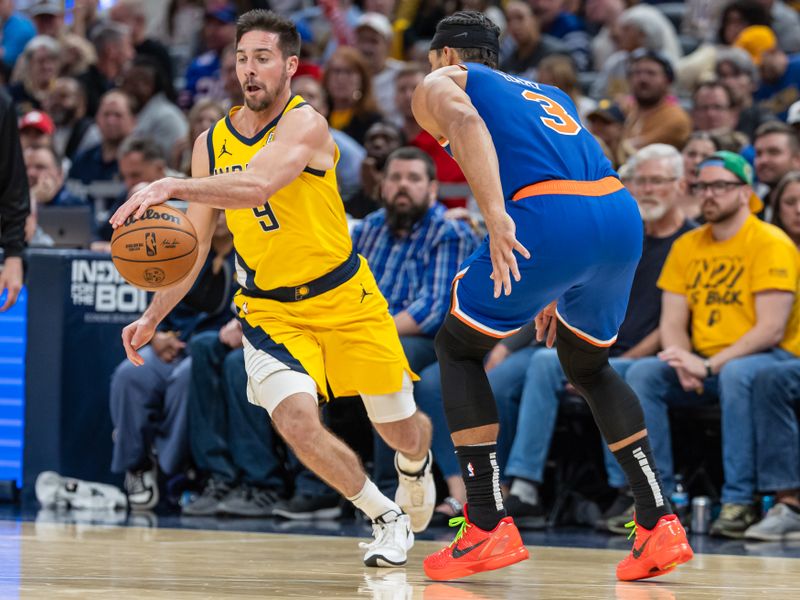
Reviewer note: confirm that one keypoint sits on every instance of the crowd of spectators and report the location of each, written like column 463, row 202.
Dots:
column 696, row 103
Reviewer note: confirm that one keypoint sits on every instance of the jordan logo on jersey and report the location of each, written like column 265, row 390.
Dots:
column 224, row 150
column 364, row 294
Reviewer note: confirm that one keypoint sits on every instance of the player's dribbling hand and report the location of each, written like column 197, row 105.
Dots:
column 547, row 324
column 136, row 335
column 157, row 192
column 502, row 244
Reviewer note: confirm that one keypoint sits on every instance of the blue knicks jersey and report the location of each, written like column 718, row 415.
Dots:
column 536, row 131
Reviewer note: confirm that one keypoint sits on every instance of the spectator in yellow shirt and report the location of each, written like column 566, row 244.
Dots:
column 729, row 309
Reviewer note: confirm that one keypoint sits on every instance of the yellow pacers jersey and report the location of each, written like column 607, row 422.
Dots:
column 297, row 235
column 720, row 280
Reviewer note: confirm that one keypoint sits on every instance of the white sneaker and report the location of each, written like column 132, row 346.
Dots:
column 55, row 491
column 393, row 540
column 142, row 488
column 416, row 494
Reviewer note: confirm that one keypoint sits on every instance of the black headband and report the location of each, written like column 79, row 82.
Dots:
column 465, row 36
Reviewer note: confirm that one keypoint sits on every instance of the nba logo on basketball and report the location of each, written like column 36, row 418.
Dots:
column 150, row 243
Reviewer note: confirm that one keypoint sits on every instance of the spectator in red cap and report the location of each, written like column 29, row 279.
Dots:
column 36, row 130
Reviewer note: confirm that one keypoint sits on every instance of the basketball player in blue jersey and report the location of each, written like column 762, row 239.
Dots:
column 311, row 312
column 563, row 227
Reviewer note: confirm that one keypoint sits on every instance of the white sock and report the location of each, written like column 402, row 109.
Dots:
column 410, row 467
column 373, row 502
column 525, row 490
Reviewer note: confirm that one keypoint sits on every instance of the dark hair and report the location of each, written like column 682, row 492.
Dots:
column 753, row 13
column 123, row 94
column 790, row 177
column 477, row 55
column 152, row 66
column 146, row 146
column 771, row 127
column 704, row 135
column 710, row 85
column 50, row 149
column 108, row 34
column 266, row 20
column 412, row 153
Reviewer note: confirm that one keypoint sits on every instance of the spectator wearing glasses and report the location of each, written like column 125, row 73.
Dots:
column 729, row 309
column 713, row 108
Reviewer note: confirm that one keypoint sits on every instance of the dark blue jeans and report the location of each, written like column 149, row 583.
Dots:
column 776, row 397
column 537, row 408
column 658, row 388
column 230, row 438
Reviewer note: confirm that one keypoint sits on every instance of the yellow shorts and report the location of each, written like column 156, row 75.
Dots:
column 344, row 338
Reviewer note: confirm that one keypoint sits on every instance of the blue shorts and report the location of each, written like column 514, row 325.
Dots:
column 584, row 253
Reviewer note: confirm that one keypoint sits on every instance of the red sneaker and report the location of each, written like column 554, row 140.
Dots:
column 475, row 550
column 655, row 552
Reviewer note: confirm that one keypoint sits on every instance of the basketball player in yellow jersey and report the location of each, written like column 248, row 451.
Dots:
column 310, row 309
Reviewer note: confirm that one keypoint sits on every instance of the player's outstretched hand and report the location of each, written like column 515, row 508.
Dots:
column 136, row 335
column 502, row 245
column 547, row 324
column 157, row 192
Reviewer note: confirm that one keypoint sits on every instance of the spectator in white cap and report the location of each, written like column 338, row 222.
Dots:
column 48, row 16
column 374, row 35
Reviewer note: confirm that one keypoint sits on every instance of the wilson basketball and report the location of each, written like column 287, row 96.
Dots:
column 155, row 251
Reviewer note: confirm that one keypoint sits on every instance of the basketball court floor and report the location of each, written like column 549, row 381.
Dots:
column 80, row 555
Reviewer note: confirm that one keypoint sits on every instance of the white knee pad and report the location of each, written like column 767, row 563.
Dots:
column 269, row 380
column 387, row 408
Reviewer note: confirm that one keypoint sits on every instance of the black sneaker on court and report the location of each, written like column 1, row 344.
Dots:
column 305, row 508
column 616, row 515
column 734, row 520
column 207, row 503
column 249, row 501
column 526, row 515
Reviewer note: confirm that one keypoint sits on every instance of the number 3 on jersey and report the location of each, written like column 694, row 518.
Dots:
column 266, row 218
column 559, row 121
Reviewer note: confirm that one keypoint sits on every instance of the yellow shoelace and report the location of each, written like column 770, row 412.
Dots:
column 632, row 526
column 460, row 522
